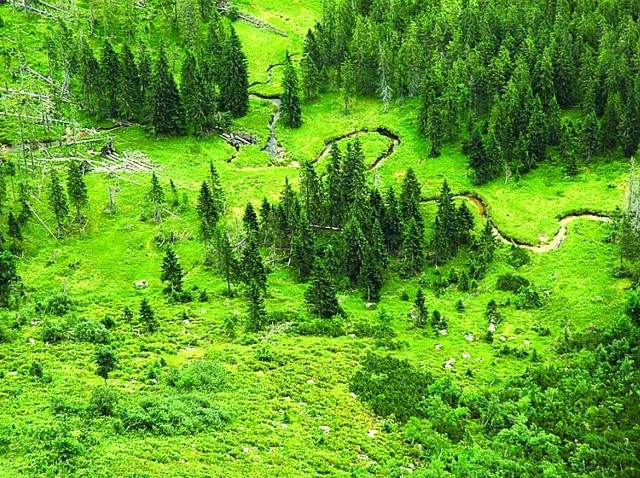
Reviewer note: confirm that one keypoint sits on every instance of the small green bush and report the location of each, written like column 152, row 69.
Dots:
column 204, row 375
column 91, row 331
column 103, row 401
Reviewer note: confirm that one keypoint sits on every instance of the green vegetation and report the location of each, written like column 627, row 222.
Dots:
column 339, row 238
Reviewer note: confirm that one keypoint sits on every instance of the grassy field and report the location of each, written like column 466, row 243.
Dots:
column 281, row 386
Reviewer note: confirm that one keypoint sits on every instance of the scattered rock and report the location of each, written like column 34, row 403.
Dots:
column 372, row 433
column 310, row 381
column 438, row 347
column 466, row 355
column 12, row 374
column 353, row 336
column 443, row 332
column 324, row 428
column 302, row 404
column 32, row 341
column 352, row 395
column 245, row 450
column 141, row 284
column 448, row 364
column 503, row 338
column 186, row 322
column 491, row 328
column 527, row 342
column 370, row 305
column 284, row 426
column 35, row 322
column 469, row 337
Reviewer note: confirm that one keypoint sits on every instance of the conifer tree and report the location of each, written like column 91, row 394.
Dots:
column 193, row 97
column 355, row 244
column 371, row 273
column 171, row 272
column 13, row 227
column 348, row 86
column 412, row 250
column 353, row 180
column 310, row 76
column 479, row 160
column 487, row 242
column 465, row 223
column 410, row 198
column 335, row 205
column 90, row 79
column 266, row 221
column 167, row 112
column 217, row 193
column 132, row 99
column 444, row 242
column 311, row 193
column 207, row 212
column 145, row 74
column 58, row 201
column 256, row 311
column 226, row 261
column 110, row 79
column 391, row 223
column 234, row 86
column 290, row 108
column 303, row 250
column 76, row 188
column 155, row 196
column 420, row 310
column 250, row 220
column 8, row 276
column 252, row 267
column 320, row 297
column 148, row 316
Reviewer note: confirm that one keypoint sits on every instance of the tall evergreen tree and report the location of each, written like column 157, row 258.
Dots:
column 146, row 86
column 353, row 180
column 420, row 310
column 110, row 79
column 464, row 223
column 234, row 86
column 320, row 296
column 58, row 201
column 226, row 261
column 155, row 196
column 410, row 198
column 106, row 360
column 217, row 193
column 253, row 270
column 348, row 86
column 8, row 276
column 132, row 92
column 335, row 205
column 171, row 272
column 303, row 250
column 290, row 109
column 391, row 223
column 148, row 316
column 479, row 160
column 192, row 92
column 250, row 220
column 309, row 71
column 445, row 236
column 412, row 250
column 76, row 188
column 256, row 311
column 167, row 112
column 311, row 193
column 355, row 244
column 207, row 212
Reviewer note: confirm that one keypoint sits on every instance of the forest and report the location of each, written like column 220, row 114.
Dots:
column 319, row 238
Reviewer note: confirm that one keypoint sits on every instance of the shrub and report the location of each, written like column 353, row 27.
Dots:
column 91, row 331
column 512, row 282
column 58, row 303
column 54, row 331
column 324, row 327
column 632, row 306
column 205, row 375
column 174, row 415
column 528, row 298
column 103, row 401
column 518, row 256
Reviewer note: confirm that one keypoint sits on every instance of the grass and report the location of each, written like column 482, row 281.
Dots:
column 277, row 406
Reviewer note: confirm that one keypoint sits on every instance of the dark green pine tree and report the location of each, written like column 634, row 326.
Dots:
column 353, row 180
column 303, row 249
column 216, row 189
column 371, row 274
column 110, row 79
column 335, row 206
column 410, row 198
column 76, row 188
column 148, row 317
column 8, row 276
column 167, row 113
column 348, row 86
column 155, row 197
column 444, row 242
column 132, row 92
column 310, row 74
column 320, row 297
column 465, row 223
column 171, row 272
column 479, row 160
column 290, row 108
column 90, row 80
column 391, row 223
column 312, row 193
column 435, row 130
column 13, row 227
column 412, row 250
column 106, row 361
column 207, row 212
column 226, row 261
column 538, row 134
column 487, row 243
column 256, row 311
column 146, row 86
column 420, row 311
column 354, row 250
column 250, row 221
column 589, row 135
column 252, row 267
column 193, row 97
column 58, row 201
column 265, row 223
column 234, row 86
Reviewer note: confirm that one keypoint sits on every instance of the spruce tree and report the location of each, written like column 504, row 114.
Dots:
column 348, row 86
column 464, row 223
column 217, row 193
column 146, row 86
column 226, row 261
column 253, row 270
column 420, row 310
column 250, row 220
column 312, row 193
column 58, row 201
column 171, row 272
column 320, row 297
column 76, row 188
column 309, row 68
column 445, row 235
column 410, row 198
column 412, row 250
column 353, row 180
column 155, row 196
column 207, row 212
column 167, row 113
column 391, row 223
column 479, row 160
column 13, row 227
column 355, row 244
column 8, row 276
column 335, row 205
column 234, row 86
column 371, row 273
column 487, row 242
column 193, row 97
column 90, row 80
column 256, row 311
column 110, row 79
column 132, row 99
column 290, row 108
column 303, row 250
column 148, row 316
